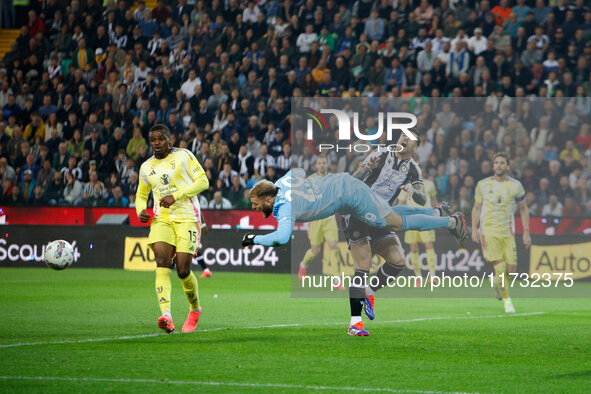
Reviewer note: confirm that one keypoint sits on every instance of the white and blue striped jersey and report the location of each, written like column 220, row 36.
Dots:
column 391, row 174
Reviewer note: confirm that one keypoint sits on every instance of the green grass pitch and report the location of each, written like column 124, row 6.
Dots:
column 254, row 337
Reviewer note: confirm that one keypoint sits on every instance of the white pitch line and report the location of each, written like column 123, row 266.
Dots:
column 80, row 340
column 375, row 322
column 89, row 340
column 231, row 384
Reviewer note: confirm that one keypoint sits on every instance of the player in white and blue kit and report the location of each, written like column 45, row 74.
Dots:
column 295, row 198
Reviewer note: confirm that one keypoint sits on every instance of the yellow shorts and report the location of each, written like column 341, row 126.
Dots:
column 499, row 249
column 414, row 237
column 323, row 230
column 185, row 236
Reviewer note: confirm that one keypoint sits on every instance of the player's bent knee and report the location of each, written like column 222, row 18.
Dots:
column 183, row 264
column 394, row 222
column 183, row 273
column 395, row 259
column 398, row 263
column 315, row 249
column 361, row 253
column 391, row 250
column 163, row 262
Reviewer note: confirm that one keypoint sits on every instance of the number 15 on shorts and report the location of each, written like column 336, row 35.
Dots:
column 193, row 236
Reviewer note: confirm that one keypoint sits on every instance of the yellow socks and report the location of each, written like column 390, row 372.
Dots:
column 502, row 279
column 432, row 261
column 334, row 258
column 416, row 264
column 308, row 257
column 163, row 289
column 191, row 290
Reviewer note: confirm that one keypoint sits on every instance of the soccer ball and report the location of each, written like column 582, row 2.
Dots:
column 59, row 255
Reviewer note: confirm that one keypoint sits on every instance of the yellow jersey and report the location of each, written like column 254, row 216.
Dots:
column 498, row 200
column 429, row 192
column 315, row 175
column 179, row 174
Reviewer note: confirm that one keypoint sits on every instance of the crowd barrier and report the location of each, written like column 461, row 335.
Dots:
column 548, row 254
column 116, row 246
column 235, row 218
column 77, row 216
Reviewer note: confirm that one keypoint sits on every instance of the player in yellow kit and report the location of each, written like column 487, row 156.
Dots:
column 321, row 231
column 493, row 222
column 427, row 238
column 175, row 178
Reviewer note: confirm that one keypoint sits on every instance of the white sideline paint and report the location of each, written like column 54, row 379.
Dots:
column 228, row 384
column 269, row 326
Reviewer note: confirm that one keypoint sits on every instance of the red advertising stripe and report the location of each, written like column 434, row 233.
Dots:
column 234, row 219
column 89, row 216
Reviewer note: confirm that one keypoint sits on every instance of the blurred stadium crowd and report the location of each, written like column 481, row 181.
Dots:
column 84, row 83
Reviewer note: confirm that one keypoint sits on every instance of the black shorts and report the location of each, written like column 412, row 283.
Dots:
column 357, row 231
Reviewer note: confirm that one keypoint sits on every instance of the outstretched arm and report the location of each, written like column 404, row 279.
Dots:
column 416, row 192
column 361, row 172
column 278, row 237
column 369, row 164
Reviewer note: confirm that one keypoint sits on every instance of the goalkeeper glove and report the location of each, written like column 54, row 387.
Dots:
column 248, row 239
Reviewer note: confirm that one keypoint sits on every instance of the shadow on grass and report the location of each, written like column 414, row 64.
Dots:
column 575, row 375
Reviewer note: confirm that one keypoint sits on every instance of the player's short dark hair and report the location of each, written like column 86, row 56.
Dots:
column 161, row 128
column 264, row 189
column 415, row 132
column 503, row 155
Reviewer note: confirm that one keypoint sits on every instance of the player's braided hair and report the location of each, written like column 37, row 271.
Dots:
column 264, row 189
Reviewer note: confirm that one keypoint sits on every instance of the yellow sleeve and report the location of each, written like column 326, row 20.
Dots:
column 432, row 191
column 200, row 181
column 141, row 196
column 478, row 194
column 402, row 197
